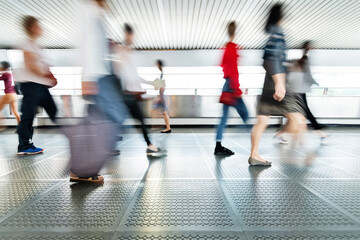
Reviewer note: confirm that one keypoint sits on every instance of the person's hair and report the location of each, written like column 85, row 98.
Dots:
column 306, row 44
column 28, row 22
column 231, row 29
column 128, row 29
column 160, row 63
column 5, row 65
column 275, row 15
column 304, row 59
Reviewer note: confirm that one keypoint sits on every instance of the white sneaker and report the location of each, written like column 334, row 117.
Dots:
column 280, row 140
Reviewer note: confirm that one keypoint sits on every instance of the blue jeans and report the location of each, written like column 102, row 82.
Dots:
column 110, row 102
column 240, row 108
column 110, row 99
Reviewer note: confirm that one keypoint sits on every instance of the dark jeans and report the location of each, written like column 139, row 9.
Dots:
column 34, row 95
column 309, row 115
column 134, row 108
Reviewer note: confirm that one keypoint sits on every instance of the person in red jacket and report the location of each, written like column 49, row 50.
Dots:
column 231, row 93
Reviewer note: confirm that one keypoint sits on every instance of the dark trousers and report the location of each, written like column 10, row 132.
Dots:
column 309, row 115
column 134, row 108
column 34, row 95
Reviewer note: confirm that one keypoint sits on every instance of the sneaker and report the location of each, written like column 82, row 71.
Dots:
column 280, row 140
column 30, row 151
column 223, row 151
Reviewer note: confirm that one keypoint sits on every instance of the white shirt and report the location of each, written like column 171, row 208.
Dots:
column 130, row 79
column 22, row 74
column 93, row 42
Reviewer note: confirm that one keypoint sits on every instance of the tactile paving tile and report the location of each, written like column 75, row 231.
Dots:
column 15, row 194
column 11, row 165
column 181, row 236
column 188, row 203
column 168, row 167
column 10, row 154
column 280, row 151
column 54, row 236
column 182, row 153
column 281, row 203
column 344, row 193
column 314, row 170
column 307, row 236
column 54, row 168
column 121, row 167
column 76, row 206
column 347, row 164
column 238, row 167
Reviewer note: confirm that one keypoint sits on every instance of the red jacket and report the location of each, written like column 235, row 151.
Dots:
column 229, row 64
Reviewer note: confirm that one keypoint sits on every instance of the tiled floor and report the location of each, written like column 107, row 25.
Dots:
column 310, row 192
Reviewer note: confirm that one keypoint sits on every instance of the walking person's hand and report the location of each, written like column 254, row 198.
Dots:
column 89, row 88
column 280, row 89
column 279, row 93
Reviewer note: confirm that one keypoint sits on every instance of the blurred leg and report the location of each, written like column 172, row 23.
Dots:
column 135, row 111
column 222, row 125
column 167, row 120
column 48, row 104
column 14, row 109
column 257, row 131
column 2, row 105
column 309, row 114
column 296, row 125
column 28, row 110
column 241, row 109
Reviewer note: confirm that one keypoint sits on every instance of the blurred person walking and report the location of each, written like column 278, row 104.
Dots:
column 131, row 85
column 10, row 96
column 308, row 81
column 93, row 140
column 35, row 80
column 274, row 99
column 300, row 81
column 160, row 105
column 231, row 94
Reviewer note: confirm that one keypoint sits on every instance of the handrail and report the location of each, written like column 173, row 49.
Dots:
column 77, row 91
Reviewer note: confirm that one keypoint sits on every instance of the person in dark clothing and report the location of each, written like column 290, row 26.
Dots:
column 131, row 85
column 35, row 79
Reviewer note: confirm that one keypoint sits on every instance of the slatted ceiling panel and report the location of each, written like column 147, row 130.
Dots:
column 191, row 24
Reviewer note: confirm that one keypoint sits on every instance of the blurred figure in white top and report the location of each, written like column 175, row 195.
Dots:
column 131, row 85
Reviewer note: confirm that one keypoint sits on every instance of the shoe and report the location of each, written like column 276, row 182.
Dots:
column 30, row 151
column 166, row 131
column 114, row 152
column 223, row 151
column 154, row 153
column 280, row 140
column 324, row 139
column 255, row 162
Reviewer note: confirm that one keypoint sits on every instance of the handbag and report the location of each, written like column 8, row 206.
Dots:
column 228, row 98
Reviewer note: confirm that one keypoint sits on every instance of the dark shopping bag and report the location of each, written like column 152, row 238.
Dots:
column 90, row 145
